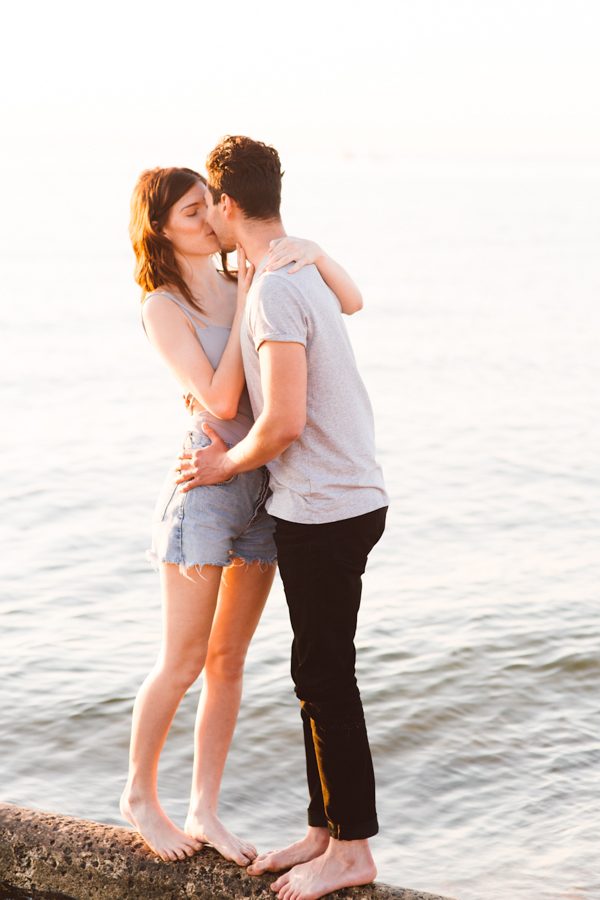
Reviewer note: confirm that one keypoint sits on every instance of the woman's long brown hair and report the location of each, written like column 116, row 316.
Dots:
column 153, row 196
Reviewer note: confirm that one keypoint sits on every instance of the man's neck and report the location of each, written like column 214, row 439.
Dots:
column 256, row 235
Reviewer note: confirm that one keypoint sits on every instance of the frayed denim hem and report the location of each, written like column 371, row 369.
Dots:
column 233, row 562
column 237, row 561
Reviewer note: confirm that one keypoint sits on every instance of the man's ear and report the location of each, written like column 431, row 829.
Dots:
column 228, row 206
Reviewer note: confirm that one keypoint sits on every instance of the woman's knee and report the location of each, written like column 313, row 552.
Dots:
column 225, row 663
column 181, row 670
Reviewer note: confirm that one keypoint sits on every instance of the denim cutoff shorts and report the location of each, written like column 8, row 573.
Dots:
column 213, row 524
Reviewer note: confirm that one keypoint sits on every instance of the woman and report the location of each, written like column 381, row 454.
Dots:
column 213, row 545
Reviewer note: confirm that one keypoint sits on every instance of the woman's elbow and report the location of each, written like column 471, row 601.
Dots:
column 353, row 304
column 356, row 305
column 224, row 410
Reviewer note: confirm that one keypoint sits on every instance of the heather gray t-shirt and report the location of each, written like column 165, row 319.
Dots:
column 329, row 473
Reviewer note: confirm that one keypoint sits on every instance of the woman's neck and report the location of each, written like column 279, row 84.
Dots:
column 200, row 275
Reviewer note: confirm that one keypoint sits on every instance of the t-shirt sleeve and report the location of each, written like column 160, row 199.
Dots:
column 279, row 313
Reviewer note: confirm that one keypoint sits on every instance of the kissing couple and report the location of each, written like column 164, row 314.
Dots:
column 278, row 468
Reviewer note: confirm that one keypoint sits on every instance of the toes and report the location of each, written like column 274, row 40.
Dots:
column 259, row 866
column 250, row 851
column 283, row 879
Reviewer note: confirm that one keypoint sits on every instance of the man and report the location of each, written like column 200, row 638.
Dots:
column 314, row 430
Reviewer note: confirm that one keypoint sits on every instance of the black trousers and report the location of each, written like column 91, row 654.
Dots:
column 321, row 567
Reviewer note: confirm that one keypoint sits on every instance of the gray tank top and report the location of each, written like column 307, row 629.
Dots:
column 213, row 339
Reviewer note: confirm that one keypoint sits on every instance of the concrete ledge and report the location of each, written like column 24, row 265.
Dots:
column 48, row 856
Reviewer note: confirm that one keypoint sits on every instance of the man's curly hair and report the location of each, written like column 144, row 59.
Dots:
column 249, row 172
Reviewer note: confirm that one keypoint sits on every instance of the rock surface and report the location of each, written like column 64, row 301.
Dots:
column 48, row 856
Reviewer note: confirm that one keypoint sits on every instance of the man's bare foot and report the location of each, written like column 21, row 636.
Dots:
column 313, row 844
column 162, row 836
column 206, row 827
column 344, row 864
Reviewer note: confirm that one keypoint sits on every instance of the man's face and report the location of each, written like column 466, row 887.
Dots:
column 220, row 224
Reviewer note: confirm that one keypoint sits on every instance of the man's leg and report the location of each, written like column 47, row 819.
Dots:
column 321, row 566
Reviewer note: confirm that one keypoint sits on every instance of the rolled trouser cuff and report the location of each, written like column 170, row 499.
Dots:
column 317, row 820
column 359, row 832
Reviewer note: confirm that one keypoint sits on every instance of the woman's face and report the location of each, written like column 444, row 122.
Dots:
column 186, row 226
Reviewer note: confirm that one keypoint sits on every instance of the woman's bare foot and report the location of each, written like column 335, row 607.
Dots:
column 313, row 844
column 162, row 836
column 344, row 864
column 206, row 827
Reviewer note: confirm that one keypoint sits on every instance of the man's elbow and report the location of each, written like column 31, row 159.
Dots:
column 290, row 430
column 292, row 434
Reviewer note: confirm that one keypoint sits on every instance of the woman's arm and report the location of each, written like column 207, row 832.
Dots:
column 303, row 253
column 173, row 336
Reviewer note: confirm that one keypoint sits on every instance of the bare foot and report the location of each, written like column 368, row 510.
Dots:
column 162, row 836
column 313, row 844
column 206, row 827
column 337, row 868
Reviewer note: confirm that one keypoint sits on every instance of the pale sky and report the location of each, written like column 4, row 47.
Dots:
column 516, row 78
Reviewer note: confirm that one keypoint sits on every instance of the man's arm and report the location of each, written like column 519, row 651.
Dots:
column 283, row 379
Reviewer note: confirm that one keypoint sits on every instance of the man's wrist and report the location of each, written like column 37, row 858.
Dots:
column 231, row 467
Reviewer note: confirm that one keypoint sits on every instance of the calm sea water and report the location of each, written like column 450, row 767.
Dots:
column 479, row 638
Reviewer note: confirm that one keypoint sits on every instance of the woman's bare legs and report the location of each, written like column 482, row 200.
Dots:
column 188, row 608
column 244, row 590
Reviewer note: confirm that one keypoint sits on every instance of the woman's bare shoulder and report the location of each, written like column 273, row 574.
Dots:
column 161, row 305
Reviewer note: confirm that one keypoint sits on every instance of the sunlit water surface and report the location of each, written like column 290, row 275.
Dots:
column 479, row 639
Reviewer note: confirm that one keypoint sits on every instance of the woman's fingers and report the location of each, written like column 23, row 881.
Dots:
column 245, row 274
column 244, row 267
column 286, row 260
column 275, row 263
column 288, row 250
column 282, row 260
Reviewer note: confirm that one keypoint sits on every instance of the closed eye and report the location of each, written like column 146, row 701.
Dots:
column 193, row 206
